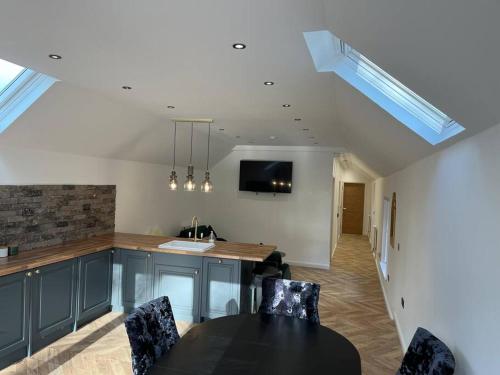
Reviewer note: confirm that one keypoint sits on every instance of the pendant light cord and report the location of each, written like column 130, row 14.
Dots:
column 191, row 154
column 208, row 147
column 175, row 136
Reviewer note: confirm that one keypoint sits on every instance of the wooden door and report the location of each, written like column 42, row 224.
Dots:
column 354, row 207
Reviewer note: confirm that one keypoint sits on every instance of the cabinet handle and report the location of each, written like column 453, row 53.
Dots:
column 37, row 272
column 196, row 272
column 28, row 274
column 112, row 251
column 149, row 255
column 220, row 261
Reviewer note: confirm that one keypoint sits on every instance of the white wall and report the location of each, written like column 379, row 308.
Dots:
column 299, row 223
column 447, row 269
column 143, row 201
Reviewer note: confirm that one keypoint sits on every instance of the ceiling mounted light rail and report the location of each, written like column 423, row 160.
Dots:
column 190, row 184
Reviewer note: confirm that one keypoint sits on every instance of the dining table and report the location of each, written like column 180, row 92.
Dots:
column 260, row 344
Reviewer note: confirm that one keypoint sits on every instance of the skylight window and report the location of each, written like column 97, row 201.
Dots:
column 330, row 54
column 20, row 87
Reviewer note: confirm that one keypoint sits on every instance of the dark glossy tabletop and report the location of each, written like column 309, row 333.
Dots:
column 260, row 344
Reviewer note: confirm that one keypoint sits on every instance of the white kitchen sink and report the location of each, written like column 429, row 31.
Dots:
column 187, row 245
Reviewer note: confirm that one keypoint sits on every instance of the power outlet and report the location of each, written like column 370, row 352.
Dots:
column 402, row 302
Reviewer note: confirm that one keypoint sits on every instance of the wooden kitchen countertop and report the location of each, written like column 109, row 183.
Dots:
column 30, row 259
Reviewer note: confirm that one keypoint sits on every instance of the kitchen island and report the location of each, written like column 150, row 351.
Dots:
column 48, row 292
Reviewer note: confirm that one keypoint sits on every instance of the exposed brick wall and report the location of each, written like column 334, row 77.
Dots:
column 34, row 216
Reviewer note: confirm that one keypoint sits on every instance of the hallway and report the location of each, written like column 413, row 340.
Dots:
column 352, row 303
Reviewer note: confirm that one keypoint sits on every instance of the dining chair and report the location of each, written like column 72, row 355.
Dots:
column 427, row 355
column 152, row 332
column 298, row 299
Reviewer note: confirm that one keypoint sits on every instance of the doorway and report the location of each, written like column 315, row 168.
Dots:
column 353, row 208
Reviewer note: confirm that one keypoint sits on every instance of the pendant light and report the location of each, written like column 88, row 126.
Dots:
column 206, row 185
column 190, row 185
column 173, row 176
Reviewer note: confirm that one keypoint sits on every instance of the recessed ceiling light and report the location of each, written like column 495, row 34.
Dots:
column 272, row 137
column 306, row 129
column 239, row 46
column 55, row 57
column 268, row 83
column 297, row 119
column 170, row 107
column 287, row 105
column 126, row 87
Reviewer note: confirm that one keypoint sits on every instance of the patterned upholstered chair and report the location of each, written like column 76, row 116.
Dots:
column 152, row 332
column 427, row 355
column 297, row 299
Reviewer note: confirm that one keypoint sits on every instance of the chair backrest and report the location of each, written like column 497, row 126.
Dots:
column 297, row 299
column 152, row 332
column 427, row 355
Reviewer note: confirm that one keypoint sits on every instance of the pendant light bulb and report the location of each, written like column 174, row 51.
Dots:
column 190, row 185
column 206, row 185
column 172, row 184
column 173, row 181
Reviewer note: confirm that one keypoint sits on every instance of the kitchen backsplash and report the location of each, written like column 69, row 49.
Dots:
column 34, row 216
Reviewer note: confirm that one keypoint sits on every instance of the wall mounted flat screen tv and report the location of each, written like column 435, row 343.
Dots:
column 266, row 176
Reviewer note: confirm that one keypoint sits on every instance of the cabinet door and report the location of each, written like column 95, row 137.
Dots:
column 14, row 318
column 136, row 278
column 221, row 287
column 178, row 278
column 95, row 277
column 53, row 302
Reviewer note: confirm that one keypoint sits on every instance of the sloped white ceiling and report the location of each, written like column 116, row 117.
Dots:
column 178, row 52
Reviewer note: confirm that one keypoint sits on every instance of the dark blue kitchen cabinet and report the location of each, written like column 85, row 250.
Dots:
column 136, row 271
column 53, row 303
column 221, row 287
column 179, row 278
column 95, row 279
column 14, row 317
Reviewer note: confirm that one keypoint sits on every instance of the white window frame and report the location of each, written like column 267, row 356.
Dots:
column 20, row 94
column 331, row 54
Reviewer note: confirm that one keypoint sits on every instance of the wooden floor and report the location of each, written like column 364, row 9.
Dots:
column 351, row 303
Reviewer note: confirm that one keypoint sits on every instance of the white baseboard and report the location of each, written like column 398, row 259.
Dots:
column 307, row 264
column 333, row 252
column 400, row 334
column 382, row 286
column 388, row 307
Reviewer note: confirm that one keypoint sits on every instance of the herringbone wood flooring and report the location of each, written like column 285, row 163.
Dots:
column 351, row 303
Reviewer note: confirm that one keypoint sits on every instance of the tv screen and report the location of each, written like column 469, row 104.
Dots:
column 266, row 176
